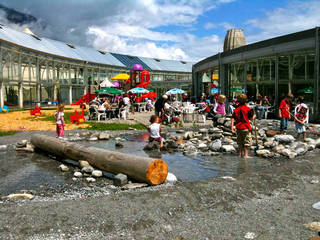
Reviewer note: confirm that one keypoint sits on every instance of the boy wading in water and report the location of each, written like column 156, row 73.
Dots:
column 59, row 115
column 241, row 124
column 155, row 130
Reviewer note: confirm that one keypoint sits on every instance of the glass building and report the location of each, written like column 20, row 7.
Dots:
column 273, row 68
column 40, row 70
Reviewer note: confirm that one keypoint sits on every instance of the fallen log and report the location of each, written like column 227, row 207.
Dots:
column 148, row 170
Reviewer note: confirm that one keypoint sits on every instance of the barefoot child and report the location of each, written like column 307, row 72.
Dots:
column 240, row 121
column 155, row 130
column 59, row 115
column 300, row 119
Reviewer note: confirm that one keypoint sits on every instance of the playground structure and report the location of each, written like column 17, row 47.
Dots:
column 36, row 111
column 77, row 118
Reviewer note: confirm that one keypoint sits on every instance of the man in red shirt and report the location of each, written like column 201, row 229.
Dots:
column 240, row 120
column 284, row 113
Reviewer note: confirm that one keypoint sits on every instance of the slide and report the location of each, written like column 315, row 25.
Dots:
column 85, row 99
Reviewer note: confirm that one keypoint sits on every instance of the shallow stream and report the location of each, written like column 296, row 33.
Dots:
column 29, row 171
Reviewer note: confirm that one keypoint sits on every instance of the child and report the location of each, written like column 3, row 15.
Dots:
column 284, row 113
column 300, row 119
column 155, row 130
column 59, row 115
column 220, row 107
column 240, row 120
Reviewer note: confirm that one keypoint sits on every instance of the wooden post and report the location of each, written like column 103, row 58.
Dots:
column 152, row 171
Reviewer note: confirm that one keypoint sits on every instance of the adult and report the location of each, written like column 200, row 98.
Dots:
column 284, row 113
column 159, row 105
column 260, row 106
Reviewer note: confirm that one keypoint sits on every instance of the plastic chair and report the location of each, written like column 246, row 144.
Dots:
column 101, row 114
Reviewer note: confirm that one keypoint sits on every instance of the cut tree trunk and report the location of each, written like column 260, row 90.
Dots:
column 152, row 171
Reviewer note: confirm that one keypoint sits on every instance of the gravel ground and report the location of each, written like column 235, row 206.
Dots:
column 272, row 203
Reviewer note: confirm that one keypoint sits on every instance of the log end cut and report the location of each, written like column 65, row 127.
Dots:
column 157, row 172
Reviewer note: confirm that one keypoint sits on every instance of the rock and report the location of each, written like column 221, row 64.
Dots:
column 188, row 135
column 228, row 148
column 96, row 173
column 263, row 153
column 118, row 144
column 268, row 144
column 228, row 141
column 87, row 169
column 215, row 145
column 134, row 185
column 310, row 141
column 227, row 124
column 83, row 163
column 181, row 131
column 202, row 145
column 77, row 174
column 85, row 134
column 313, row 226
column 93, row 139
column 216, row 136
column 301, row 150
column 63, row 168
column 152, row 146
column 286, row 139
column 311, row 147
column 250, row 235
column 203, row 130
column 271, row 133
column 120, row 180
column 229, row 178
column 104, row 136
column 317, row 143
column 25, row 196
column 3, row 147
column 214, row 130
column 90, row 179
column 22, row 144
column 171, row 178
column 278, row 148
column 28, row 148
column 221, row 121
column 227, row 134
column 180, row 141
column 171, row 144
column 288, row 153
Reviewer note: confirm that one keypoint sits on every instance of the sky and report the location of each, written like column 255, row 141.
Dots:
column 188, row 30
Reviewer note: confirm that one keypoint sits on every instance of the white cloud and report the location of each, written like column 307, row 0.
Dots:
column 297, row 16
column 210, row 25
column 126, row 26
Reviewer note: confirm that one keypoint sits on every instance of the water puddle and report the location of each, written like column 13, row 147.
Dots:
column 29, row 171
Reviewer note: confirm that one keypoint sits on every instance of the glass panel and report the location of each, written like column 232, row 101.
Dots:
column 11, row 96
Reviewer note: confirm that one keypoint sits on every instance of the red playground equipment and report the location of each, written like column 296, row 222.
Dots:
column 85, row 99
column 36, row 111
column 77, row 118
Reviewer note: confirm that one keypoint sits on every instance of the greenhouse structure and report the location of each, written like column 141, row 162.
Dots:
column 272, row 68
column 36, row 70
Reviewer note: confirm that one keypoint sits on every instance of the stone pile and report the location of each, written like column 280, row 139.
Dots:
column 220, row 139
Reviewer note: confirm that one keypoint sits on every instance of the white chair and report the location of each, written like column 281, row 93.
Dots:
column 101, row 114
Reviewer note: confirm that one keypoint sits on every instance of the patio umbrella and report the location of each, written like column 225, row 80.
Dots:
column 121, row 76
column 114, row 91
column 106, row 83
column 175, row 91
column 306, row 90
column 138, row 90
column 236, row 90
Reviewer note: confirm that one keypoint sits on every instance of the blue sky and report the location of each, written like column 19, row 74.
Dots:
column 169, row 29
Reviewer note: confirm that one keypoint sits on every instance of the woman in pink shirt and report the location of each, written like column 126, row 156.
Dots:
column 220, row 106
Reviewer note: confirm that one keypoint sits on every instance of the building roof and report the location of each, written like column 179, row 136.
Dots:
column 65, row 50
